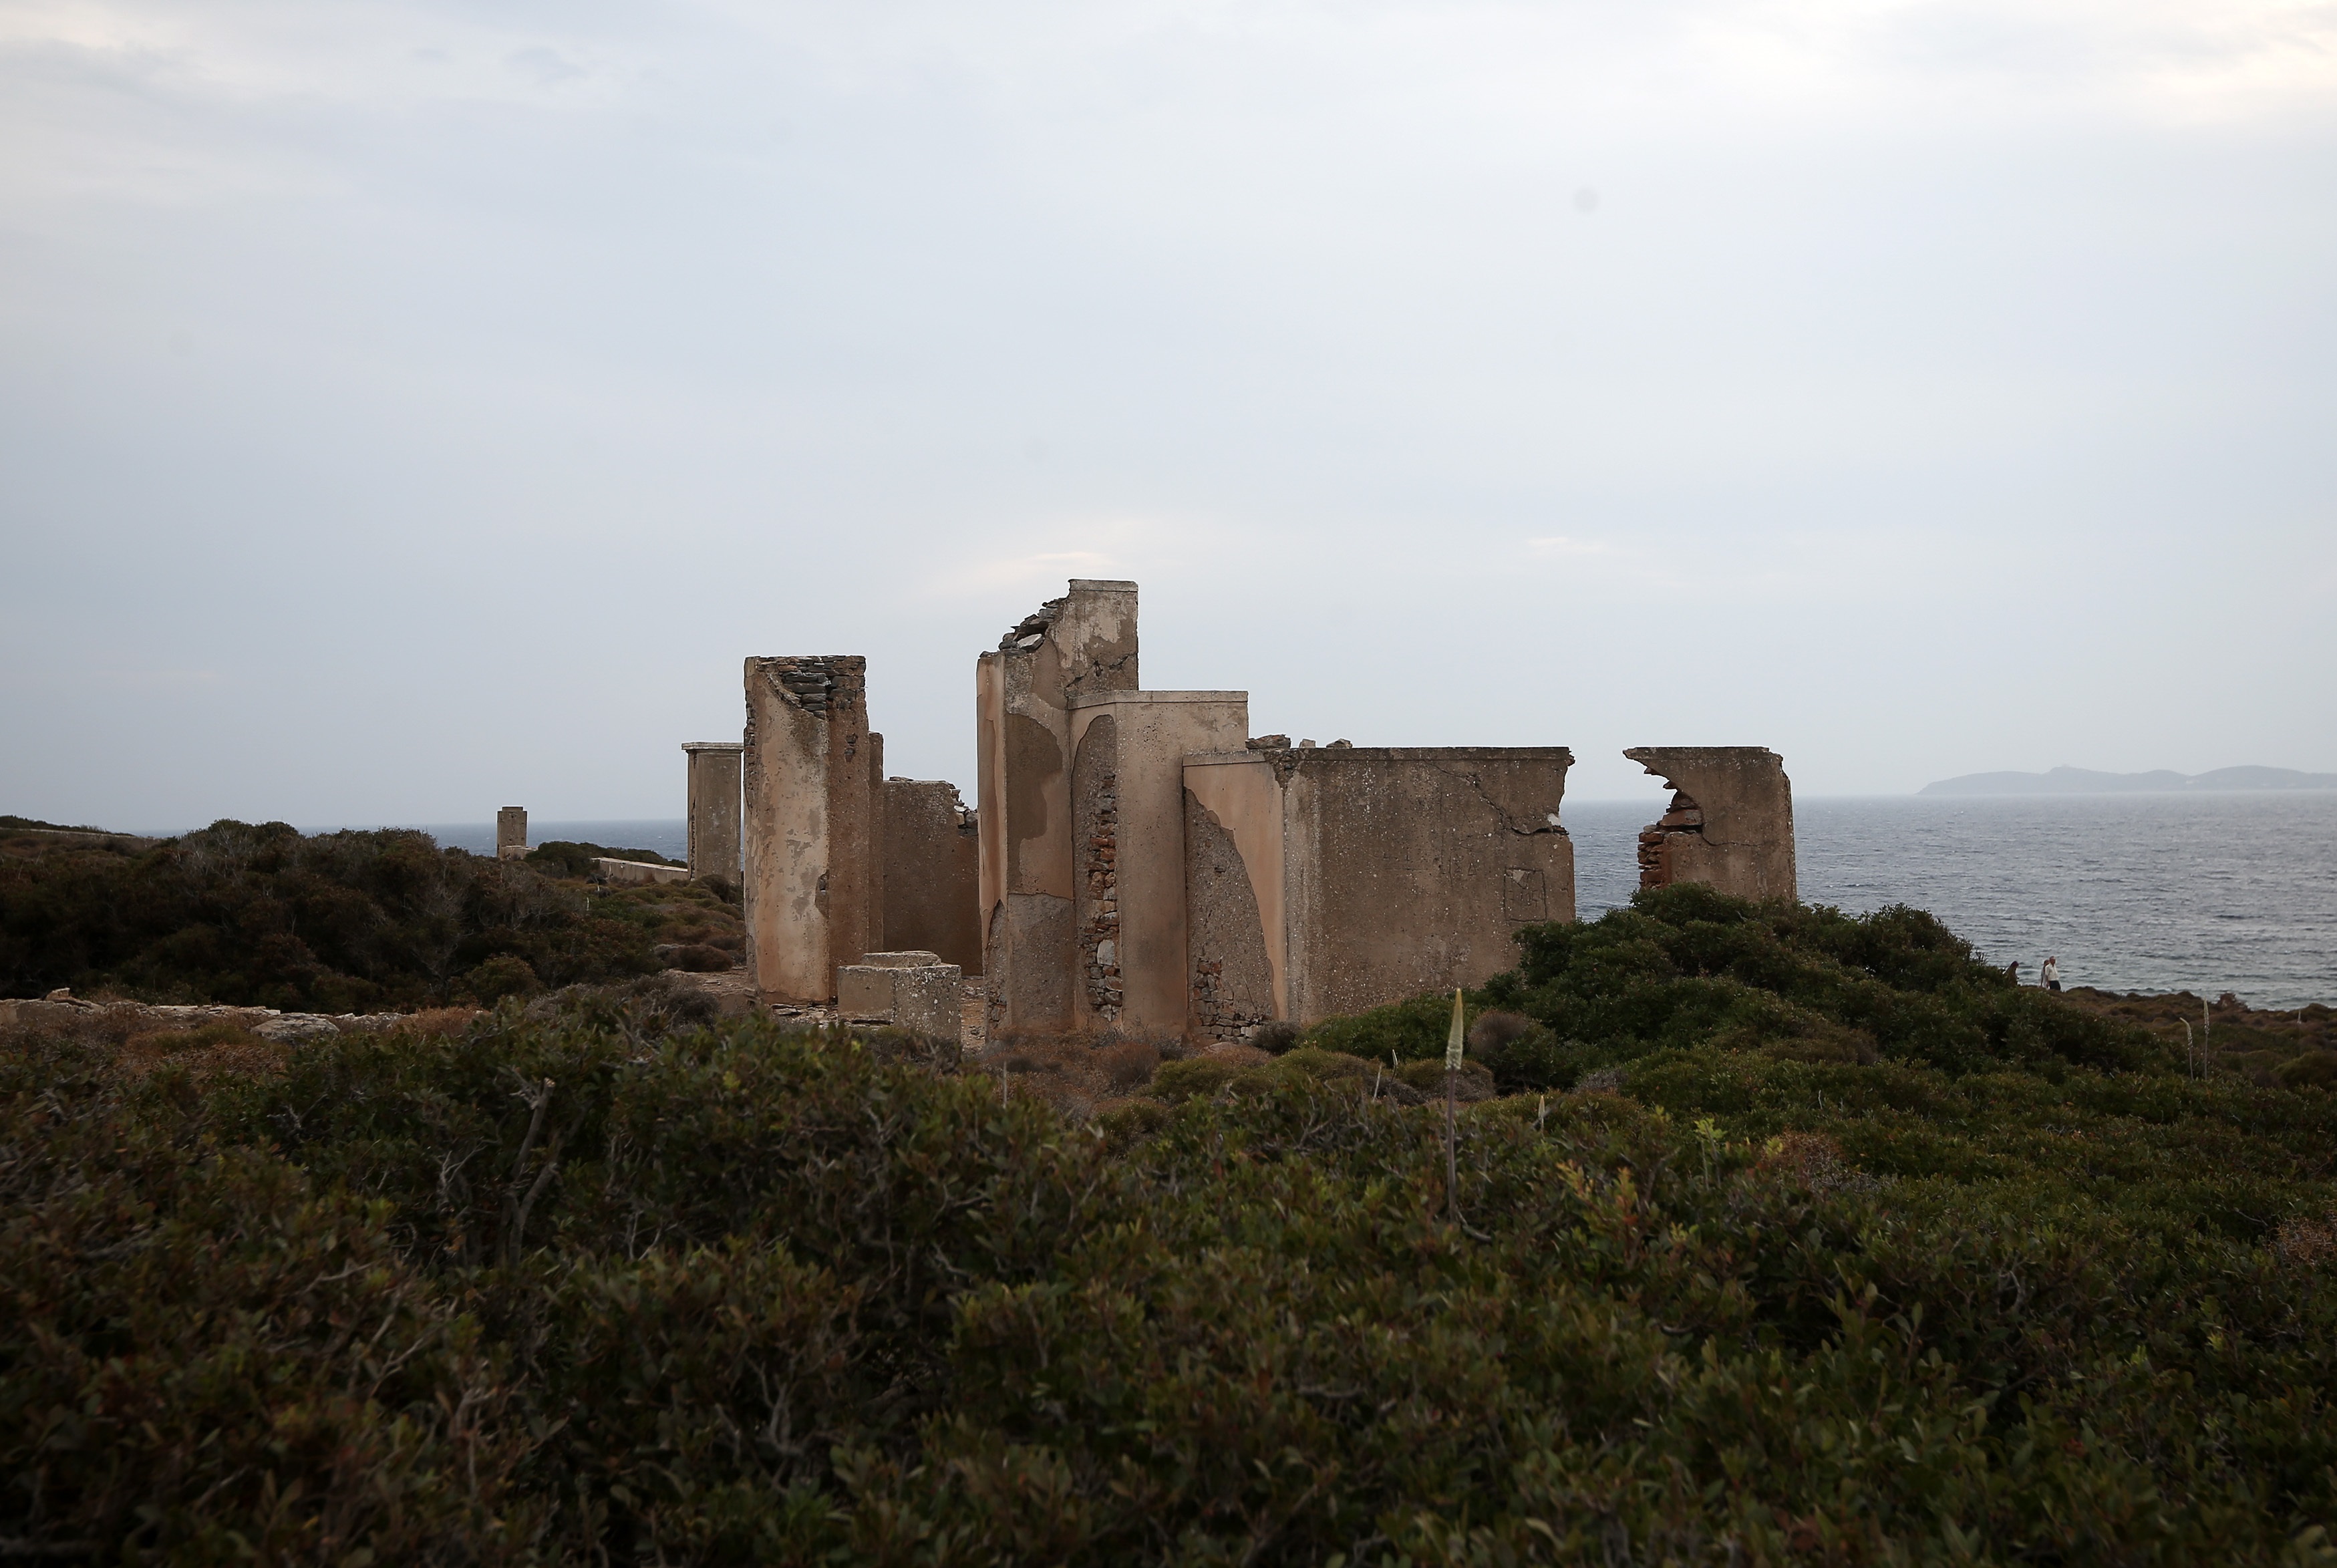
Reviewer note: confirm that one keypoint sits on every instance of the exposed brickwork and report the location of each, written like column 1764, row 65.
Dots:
column 1682, row 819
column 1100, row 870
column 1229, row 986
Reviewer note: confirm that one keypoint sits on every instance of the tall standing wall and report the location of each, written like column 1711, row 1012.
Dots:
column 1128, row 837
column 715, row 804
column 1323, row 881
column 1081, row 644
column 933, row 873
column 813, row 885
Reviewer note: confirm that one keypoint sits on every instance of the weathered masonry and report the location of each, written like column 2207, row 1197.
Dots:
column 1139, row 862
column 714, row 807
column 813, row 894
column 511, row 833
column 1730, row 823
column 840, row 862
column 1128, row 838
column 1324, row 881
column 933, row 871
column 1080, row 645
column 1146, row 866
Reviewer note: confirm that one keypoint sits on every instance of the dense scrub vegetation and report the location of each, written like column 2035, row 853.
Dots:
column 591, row 1283
column 1689, row 968
column 331, row 922
column 572, row 857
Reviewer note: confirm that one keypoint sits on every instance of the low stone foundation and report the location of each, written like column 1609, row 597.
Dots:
column 636, row 873
column 915, row 991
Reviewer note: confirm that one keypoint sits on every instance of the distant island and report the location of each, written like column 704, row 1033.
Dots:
column 2165, row 780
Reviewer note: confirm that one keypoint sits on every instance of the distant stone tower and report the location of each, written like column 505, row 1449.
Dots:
column 511, row 833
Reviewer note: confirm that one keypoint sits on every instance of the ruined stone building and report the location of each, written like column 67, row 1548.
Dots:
column 1730, row 823
column 841, row 861
column 1139, row 861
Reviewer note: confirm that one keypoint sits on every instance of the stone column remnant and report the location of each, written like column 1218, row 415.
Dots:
column 810, row 815
column 1730, row 824
column 1127, row 845
column 933, row 873
column 1326, row 880
column 511, row 833
column 1081, row 644
column 714, row 801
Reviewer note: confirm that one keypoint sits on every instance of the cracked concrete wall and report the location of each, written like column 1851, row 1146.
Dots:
column 1730, row 823
column 931, row 873
column 1128, row 790
column 1082, row 643
column 1376, row 872
column 811, row 818
column 715, row 801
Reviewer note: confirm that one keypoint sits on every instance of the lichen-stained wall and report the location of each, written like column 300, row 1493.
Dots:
column 810, row 820
column 1128, row 792
column 932, row 869
column 1082, row 643
column 714, row 805
column 1730, row 823
column 1376, row 872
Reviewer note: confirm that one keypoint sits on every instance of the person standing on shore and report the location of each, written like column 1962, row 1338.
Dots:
column 2012, row 971
column 2050, row 975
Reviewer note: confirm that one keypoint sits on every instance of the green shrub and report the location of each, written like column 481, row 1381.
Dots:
column 1475, row 1081
column 1201, row 1076
column 330, row 922
column 603, row 1279
column 1276, row 1036
column 569, row 857
column 504, row 974
column 2312, row 1070
column 1685, row 965
column 1321, row 1066
column 1409, row 1030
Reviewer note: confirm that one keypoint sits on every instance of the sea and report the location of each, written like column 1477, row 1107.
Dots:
column 2197, row 892
column 669, row 838
column 2206, row 893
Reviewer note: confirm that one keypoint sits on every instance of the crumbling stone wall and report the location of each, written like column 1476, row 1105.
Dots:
column 1095, row 837
column 1232, row 977
column 1081, row 644
column 1730, row 823
column 715, row 801
column 511, row 833
column 1378, row 872
column 1681, row 825
column 814, row 889
column 1128, row 785
column 932, row 871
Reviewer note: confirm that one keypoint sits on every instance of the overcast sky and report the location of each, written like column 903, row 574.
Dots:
column 409, row 408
